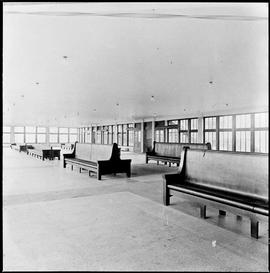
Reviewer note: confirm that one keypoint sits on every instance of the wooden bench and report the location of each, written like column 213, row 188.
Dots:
column 20, row 147
column 67, row 147
column 97, row 158
column 44, row 151
column 229, row 181
column 171, row 152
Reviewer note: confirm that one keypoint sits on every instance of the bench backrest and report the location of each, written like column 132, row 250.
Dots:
column 175, row 149
column 95, row 152
column 239, row 172
column 41, row 146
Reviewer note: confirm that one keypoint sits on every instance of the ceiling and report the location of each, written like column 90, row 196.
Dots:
column 74, row 64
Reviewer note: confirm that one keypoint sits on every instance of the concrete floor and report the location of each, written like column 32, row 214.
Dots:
column 58, row 219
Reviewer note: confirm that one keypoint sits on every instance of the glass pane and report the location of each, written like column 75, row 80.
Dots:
column 194, row 137
column 243, row 141
column 261, row 120
column 131, row 138
column 194, row 124
column 41, row 138
column 6, row 129
column 119, row 138
column 63, row 138
column 173, row 135
column 225, row 141
column 6, row 138
column 41, row 129
column 53, row 138
column 184, row 124
column 63, row 130
column 73, row 130
column 184, row 137
column 125, row 139
column 72, row 138
column 211, row 137
column 18, row 129
column 30, row 129
column 243, row 121
column 225, row 122
column 19, row 138
column 261, row 141
column 173, row 122
column 30, row 138
column 210, row 123
column 53, row 129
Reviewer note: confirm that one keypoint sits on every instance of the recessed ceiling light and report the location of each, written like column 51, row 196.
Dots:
column 65, row 57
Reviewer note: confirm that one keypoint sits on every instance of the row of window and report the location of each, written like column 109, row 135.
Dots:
column 240, row 133
column 33, row 134
column 123, row 134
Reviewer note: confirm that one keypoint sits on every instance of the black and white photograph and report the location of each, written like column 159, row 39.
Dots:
column 135, row 136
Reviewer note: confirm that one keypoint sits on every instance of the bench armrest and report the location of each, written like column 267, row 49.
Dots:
column 172, row 178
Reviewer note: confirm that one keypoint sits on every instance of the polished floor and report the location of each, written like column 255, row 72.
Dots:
column 58, row 219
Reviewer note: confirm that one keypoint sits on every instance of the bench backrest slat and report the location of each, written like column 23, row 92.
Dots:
column 93, row 152
column 243, row 172
column 175, row 149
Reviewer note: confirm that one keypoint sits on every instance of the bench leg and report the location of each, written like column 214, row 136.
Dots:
column 80, row 170
column 98, row 176
column 254, row 228
column 222, row 212
column 203, row 211
column 72, row 167
column 169, row 164
column 128, row 173
column 157, row 162
column 166, row 194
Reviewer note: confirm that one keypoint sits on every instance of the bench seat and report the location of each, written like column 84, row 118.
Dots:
column 230, row 181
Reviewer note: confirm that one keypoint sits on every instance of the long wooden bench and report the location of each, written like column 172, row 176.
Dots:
column 97, row 158
column 228, row 181
column 67, row 147
column 171, row 152
column 44, row 151
column 22, row 147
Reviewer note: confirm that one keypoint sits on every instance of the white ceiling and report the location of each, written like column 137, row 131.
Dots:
column 195, row 59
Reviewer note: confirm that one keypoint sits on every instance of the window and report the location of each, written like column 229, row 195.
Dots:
column 159, row 135
column 30, row 134
column 119, row 135
column 194, row 130
column 98, row 135
column 41, row 134
column 73, row 135
column 173, row 135
column 261, row 132
column 110, row 135
column 6, row 134
column 225, row 133
column 243, row 133
column 210, row 132
column 19, row 134
column 130, row 134
column 114, row 134
column 124, row 133
column 53, row 134
column 63, row 135
column 184, row 131
column 6, row 138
